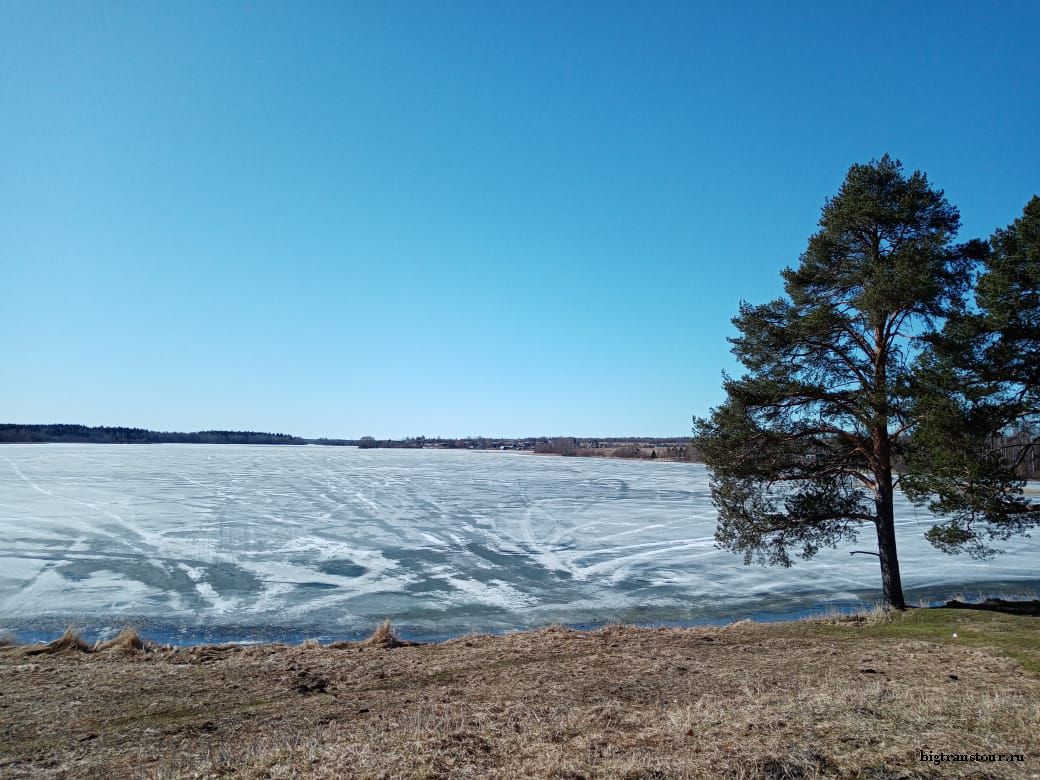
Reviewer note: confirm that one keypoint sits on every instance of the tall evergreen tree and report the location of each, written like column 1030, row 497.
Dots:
column 802, row 451
column 977, row 384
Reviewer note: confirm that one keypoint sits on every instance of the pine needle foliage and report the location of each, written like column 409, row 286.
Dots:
column 977, row 400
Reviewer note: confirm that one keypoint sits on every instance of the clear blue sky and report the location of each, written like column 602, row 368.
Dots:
column 454, row 218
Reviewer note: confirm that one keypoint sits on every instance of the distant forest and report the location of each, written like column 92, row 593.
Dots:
column 82, row 434
column 1016, row 448
column 1020, row 449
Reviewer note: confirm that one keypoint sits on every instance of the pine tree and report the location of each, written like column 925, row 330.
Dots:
column 976, row 388
column 802, row 451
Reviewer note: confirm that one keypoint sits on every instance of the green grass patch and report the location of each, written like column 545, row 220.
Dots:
column 1017, row 637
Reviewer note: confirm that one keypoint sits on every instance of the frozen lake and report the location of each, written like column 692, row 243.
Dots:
column 207, row 541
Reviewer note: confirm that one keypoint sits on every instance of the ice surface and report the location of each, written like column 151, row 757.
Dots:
column 336, row 539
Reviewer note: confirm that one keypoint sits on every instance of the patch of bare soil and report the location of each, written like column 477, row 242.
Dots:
column 745, row 701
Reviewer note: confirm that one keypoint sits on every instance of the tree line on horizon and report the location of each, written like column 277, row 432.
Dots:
column 83, row 434
column 15, row 433
column 896, row 359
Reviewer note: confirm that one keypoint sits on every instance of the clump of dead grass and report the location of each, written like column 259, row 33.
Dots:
column 738, row 625
column 127, row 641
column 341, row 644
column 384, row 637
column 874, row 615
column 70, row 641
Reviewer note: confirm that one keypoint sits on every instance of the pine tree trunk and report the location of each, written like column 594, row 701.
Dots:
column 886, row 534
column 881, row 440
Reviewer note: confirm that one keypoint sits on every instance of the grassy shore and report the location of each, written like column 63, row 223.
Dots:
column 843, row 697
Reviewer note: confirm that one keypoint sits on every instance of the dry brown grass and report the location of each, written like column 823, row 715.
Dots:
column 796, row 700
column 127, row 641
column 874, row 615
column 384, row 637
column 69, row 642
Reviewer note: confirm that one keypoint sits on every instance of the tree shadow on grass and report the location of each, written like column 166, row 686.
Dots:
column 1028, row 608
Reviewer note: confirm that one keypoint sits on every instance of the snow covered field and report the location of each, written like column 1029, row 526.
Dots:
column 334, row 539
